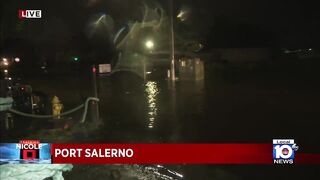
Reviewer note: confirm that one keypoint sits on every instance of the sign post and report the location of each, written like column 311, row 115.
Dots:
column 94, row 105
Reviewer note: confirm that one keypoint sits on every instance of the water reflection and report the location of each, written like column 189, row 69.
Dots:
column 163, row 172
column 152, row 92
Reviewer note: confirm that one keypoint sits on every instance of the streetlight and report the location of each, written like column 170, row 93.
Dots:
column 149, row 44
column 17, row 59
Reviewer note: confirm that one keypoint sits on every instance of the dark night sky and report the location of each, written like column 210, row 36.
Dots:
column 220, row 23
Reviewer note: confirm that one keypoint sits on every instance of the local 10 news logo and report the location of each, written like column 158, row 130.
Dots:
column 283, row 151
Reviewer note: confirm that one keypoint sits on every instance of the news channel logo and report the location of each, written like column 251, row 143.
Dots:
column 283, row 151
column 25, row 152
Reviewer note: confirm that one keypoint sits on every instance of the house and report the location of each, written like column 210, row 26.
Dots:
column 190, row 69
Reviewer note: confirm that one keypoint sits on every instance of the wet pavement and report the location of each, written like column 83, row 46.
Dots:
column 240, row 110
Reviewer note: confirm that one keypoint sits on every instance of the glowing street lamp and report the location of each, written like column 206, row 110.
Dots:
column 149, row 44
column 17, row 59
column 5, row 62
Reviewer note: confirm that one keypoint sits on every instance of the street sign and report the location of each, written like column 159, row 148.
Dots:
column 104, row 68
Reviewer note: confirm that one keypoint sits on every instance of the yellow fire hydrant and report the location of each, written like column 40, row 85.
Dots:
column 57, row 107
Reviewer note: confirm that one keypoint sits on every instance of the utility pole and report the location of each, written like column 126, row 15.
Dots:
column 172, row 65
column 94, row 105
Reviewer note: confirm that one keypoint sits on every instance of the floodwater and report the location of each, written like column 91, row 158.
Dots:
column 213, row 110
column 209, row 111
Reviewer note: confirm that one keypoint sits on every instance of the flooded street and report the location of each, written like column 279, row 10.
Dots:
column 214, row 110
column 208, row 112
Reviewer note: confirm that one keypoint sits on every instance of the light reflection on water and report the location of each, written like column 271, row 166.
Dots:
column 152, row 92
